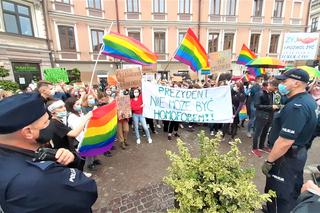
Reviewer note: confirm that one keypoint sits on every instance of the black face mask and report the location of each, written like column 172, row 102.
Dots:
column 45, row 135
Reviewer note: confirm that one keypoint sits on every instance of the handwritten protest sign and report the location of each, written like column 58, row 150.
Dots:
column 300, row 46
column 124, row 107
column 211, row 105
column 56, row 75
column 149, row 69
column 129, row 78
column 220, row 61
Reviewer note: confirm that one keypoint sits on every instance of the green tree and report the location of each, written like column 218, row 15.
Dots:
column 4, row 72
column 74, row 75
column 214, row 181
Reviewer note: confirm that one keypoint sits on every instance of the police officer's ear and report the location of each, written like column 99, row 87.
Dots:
column 27, row 132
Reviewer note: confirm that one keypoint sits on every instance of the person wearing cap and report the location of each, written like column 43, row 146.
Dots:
column 27, row 185
column 291, row 130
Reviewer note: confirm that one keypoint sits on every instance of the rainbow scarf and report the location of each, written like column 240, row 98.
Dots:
column 243, row 113
column 192, row 53
column 127, row 49
column 101, row 131
column 245, row 56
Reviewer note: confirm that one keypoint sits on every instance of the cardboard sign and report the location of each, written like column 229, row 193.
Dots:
column 220, row 61
column 210, row 105
column 149, row 69
column 300, row 46
column 177, row 78
column 129, row 78
column 56, row 75
column 124, row 107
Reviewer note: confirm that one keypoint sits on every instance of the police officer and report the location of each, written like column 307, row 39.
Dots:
column 291, row 130
column 29, row 186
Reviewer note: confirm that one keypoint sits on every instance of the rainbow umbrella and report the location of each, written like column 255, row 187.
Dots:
column 313, row 72
column 266, row 62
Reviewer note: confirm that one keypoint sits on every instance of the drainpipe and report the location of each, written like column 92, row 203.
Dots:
column 199, row 19
column 117, row 14
column 307, row 19
column 46, row 24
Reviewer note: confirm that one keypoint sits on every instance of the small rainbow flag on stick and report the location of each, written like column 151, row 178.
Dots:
column 192, row 53
column 243, row 113
column 245, row 56
column 101, row 131
column 127, row 49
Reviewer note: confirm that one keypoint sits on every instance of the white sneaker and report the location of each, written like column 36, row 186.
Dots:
column 149, row 140
column 158, row 126
column 181, row 126
column 87, row 174
column 138, row 141
column 212, row 133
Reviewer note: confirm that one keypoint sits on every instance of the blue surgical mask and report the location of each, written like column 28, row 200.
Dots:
column 283, row 89
column 62, row 114
column 77, row 108
column 91, row 102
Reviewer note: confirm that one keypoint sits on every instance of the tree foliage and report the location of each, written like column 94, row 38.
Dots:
column 4, row 72
column 214, row 181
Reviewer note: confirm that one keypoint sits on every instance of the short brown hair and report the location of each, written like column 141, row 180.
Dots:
column 43, row 83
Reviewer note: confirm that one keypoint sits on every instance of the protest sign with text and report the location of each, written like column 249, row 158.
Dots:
column 129, row 77
column 220, row 61
column 123, row 106
column 210, row 105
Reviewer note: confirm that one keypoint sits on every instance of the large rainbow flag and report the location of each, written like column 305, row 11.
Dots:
column 101, row 131
column 127, row 49
column 192, row 53
column 245, row 56
column 243, row 113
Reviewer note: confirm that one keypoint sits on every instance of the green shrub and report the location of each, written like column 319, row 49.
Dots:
column 9, row 85
column 214, row 181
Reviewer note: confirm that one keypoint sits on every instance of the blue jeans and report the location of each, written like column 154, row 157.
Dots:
column 136, row 118
column 252, row 118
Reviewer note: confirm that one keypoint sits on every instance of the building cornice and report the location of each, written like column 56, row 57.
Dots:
column 20, row 48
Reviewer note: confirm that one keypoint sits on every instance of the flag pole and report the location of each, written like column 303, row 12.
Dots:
column 97, row 59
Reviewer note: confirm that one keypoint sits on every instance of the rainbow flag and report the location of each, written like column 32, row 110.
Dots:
column 246, row 77
column 206, row 71
column 192, row 53
column 127, row 49
column 101, row 131
column 243, row 113
column 245, row 56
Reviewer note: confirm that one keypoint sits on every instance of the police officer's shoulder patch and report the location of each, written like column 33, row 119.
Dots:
column 297, row 106
column 43, row 165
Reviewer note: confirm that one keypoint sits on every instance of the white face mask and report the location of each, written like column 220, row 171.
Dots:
column 136, row 94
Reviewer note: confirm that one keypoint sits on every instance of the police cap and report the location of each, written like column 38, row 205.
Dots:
column 297, row 74
column 20, row 110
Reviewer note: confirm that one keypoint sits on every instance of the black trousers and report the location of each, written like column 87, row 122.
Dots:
column 286, row 179
column 166, row 125
column 214, row 127
column 174, row 125
column 151, row 124
column 261, row 127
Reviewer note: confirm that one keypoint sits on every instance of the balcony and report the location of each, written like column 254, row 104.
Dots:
column 257, row 19
column 63, row 7
column 185, row 16
column 277, row 20
column 295, row 21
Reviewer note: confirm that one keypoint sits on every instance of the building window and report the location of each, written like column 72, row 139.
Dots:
column 181, row 36
column 133, row 6
column 314, row 24
column 67, row 40
column 160, row 42
column 159, row 6
column 257, row 7
column 135, row 35
column 278, row 5
column 17, row 18
column 213, row 42
column 94, row 4
column 215, row 7
column 228, row 41
column 254, row 42
column 231, row 7
column 274, row 44
column 97, row 39
column 63, row 1
column 184, row 6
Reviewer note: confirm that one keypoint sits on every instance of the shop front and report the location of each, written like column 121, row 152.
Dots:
column 25, row 72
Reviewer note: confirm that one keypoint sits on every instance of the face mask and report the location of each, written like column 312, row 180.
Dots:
column 136, row 94
column 45, row 135
column 91, row 102
column 108, row 92
column 236, row 89
column 77, row 108
column 283, row 89
column 52, row 92
column 61, row 114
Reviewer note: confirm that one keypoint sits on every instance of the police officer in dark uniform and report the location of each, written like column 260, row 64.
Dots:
column 291, row 130
column 27, row 185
